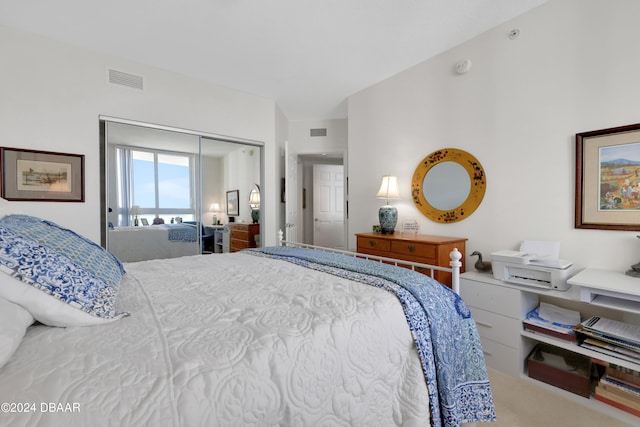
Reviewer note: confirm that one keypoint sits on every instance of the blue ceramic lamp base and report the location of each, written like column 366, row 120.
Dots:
column 255, row 215
column 388, row 216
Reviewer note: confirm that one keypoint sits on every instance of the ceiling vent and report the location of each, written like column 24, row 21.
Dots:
column 319, row 132
column 125, row 79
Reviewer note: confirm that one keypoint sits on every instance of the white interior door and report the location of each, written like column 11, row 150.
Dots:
column 328, row 206
column 291, row 193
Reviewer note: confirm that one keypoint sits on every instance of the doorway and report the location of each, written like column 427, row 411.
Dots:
column 323, row 200
column 328, row 206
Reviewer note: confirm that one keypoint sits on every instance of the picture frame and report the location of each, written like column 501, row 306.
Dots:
column 607, row 187
column 410, row 226
column 43, row 176
column 144, row 221
column 233, row 209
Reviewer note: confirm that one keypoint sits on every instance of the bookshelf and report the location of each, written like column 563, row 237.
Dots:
column 499, row 308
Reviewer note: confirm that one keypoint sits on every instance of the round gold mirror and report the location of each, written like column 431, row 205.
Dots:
column 448, row 185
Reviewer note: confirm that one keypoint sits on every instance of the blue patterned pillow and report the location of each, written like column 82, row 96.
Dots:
column 60, row 263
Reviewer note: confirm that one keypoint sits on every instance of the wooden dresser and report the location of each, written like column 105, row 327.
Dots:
column 243, row 235
column 422, row 248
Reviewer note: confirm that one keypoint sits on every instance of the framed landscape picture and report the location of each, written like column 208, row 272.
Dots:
column 232, row 203
column 45, row 176
column 608, row 179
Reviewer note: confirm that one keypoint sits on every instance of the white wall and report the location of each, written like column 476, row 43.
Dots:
column 574, row 68
column 303, row 143
column 53, row 94
column 242, row 168
column 213, row 187
column 282, row 135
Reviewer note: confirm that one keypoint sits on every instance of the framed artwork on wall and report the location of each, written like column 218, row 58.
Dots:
column 45, row 176
column 608, row 179
column 232, row 203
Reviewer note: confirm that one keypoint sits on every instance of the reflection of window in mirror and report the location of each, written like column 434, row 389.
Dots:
column 157, row 181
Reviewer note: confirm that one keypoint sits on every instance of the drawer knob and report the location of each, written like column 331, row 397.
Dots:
column 372, row 243
column 411, row 248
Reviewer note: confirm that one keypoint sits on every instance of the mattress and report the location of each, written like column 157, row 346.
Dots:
column 224, row 340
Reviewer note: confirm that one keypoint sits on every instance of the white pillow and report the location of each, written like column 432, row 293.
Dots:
column 45, row 308
column 14, row 321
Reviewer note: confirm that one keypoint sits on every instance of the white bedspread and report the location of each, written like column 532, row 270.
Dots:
column 226, row 340
column 131, row 244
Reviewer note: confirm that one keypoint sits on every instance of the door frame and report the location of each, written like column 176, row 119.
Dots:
column 320, row 156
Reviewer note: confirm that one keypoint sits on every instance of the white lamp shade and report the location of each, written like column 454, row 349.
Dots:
column 388, row 188
column 214, row 207
column 135, row 210
column 254, row 199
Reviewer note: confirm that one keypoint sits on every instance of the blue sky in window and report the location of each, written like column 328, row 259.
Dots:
column 173, row 182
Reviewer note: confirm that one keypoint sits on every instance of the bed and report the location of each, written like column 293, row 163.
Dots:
column 143, row 243
column 281, row 336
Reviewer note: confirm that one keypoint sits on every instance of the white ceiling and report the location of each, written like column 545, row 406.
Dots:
column 307, row 55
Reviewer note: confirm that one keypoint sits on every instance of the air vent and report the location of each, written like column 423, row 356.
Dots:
column 125, row 79
column 319, row 132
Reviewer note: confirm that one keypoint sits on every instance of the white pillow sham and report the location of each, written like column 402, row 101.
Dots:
column 46, row 308
column 14, row 321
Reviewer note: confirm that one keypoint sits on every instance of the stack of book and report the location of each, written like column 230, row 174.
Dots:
column 551, row 320
column 620, row 387
column 606, row 336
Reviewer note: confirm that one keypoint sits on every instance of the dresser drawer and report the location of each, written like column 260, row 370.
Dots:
column 237, row 245
column 497, row 299
column 501, row 329
column 373, row 244
column 414, row 249
column 241, row 234
column 420, row 248
column 502, row 357
column 240, row 227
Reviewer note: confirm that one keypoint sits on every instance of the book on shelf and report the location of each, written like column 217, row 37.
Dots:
column 567, row 336
column 610, row 337
column 552, row 320
column 627, row 400
column 621, row 373
column 619, row 333
column 611, row 349
column 615, row 403
column 620, row 387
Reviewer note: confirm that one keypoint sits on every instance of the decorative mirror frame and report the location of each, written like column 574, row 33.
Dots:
column 477, row 180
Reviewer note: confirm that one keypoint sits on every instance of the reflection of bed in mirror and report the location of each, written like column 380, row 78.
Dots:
column 131, row 244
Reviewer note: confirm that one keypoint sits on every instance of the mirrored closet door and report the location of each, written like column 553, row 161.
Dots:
column 166, row 192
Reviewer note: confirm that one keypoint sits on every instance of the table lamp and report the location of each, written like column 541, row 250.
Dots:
column 215, row 208
column 135, row 211
column 388, row 215
column 254, row 204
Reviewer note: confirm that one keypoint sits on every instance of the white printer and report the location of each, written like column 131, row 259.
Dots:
column 524, row 268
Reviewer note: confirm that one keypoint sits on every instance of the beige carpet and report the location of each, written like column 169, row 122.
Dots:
column 523, row 403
